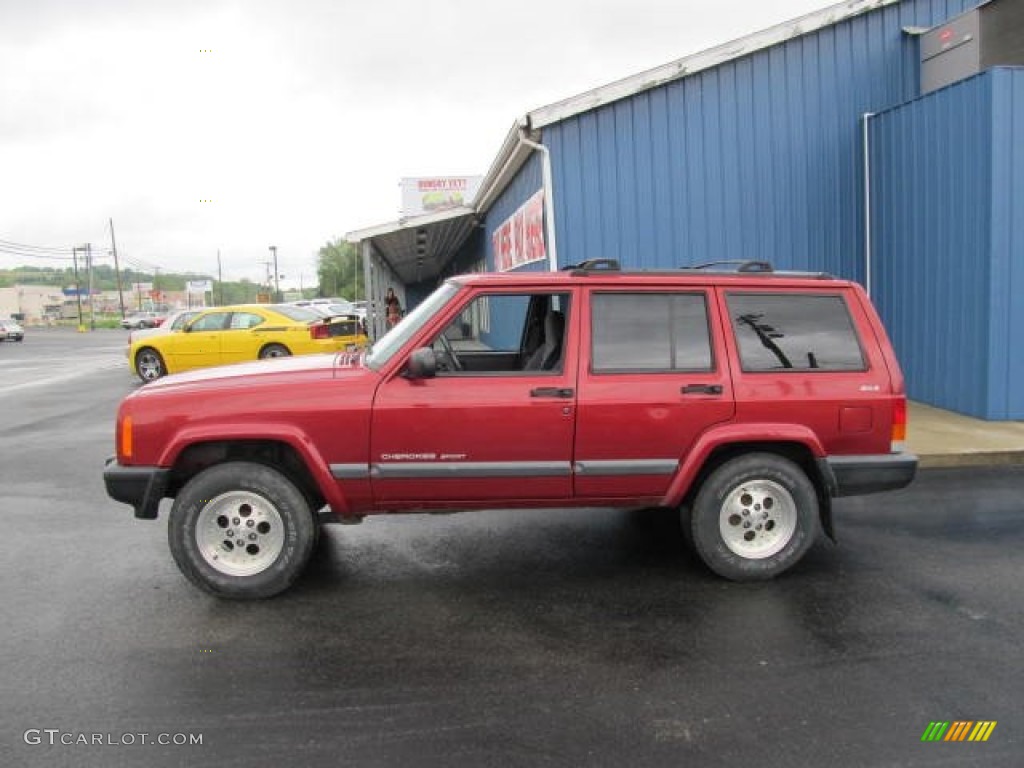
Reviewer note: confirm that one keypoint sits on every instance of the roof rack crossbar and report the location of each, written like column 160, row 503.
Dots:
column 742, row 265
column 594, row 265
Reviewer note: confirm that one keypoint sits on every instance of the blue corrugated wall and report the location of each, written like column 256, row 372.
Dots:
column 931, row 167
column 948, row 242
column 757, row 158
column 1006, row 349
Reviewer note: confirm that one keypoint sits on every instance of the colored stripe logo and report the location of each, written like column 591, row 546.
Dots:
column 959, row 730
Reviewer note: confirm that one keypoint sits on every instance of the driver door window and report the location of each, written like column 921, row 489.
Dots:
column 505, row 334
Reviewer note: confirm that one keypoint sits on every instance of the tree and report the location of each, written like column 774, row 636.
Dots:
column 340, row 271
column 242, row 292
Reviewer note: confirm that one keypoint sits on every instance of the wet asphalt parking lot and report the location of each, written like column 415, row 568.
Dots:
column 511, row 638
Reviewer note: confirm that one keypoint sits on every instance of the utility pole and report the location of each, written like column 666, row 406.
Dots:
column 78, row 287
column 220, row 280
column 270, row 285
column 277, row 286
column 117, row 269
column 92, row 304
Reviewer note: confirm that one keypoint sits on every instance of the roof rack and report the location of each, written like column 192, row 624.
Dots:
column 724, row 266
column 594, row 265
column 741, row 265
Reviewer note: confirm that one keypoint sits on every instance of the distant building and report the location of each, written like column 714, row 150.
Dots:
column 33, row 303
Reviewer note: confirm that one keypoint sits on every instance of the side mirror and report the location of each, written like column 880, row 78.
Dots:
column 422, row 364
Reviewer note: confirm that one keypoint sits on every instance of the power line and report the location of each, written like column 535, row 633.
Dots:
column 67, row 254
column 33, row 248
column 33, row 255
column 139, row 263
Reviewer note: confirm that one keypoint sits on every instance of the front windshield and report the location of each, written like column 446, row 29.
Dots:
column 395, row 339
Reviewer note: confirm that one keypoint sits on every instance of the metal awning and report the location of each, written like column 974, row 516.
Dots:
column 418, row 248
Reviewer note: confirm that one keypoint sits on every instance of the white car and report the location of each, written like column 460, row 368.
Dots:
column 139, row 320
column 359, row 308
column 10, row 330
column 337, row 305
column 332, row 310
column 174, row 322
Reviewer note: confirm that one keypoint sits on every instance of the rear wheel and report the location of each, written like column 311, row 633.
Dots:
column 754, row 517
column 274, row 350
column 241, row 530
column 149, row 364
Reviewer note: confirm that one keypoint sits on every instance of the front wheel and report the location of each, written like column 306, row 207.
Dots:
column 241, row 530
column 274, row 350
column 754, row 517
column 149, row 364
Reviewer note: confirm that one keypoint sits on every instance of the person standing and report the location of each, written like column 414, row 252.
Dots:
column 392, row 309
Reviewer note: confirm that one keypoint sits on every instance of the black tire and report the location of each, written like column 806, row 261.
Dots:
column 248, row 502
column 149, row 365
column 754, row 517
column 274, row 350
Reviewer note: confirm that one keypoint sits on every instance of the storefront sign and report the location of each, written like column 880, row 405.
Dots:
column 519, row 239
column 430, row 194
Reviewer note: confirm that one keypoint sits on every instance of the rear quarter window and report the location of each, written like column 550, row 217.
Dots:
column 794, row 332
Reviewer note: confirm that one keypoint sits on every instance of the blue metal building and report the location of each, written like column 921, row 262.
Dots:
column 873, row 139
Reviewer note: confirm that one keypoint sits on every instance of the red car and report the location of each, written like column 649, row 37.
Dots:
column 741, row 399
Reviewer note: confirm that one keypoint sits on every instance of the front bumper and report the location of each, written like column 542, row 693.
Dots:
column 142, row 487
column 856, row 475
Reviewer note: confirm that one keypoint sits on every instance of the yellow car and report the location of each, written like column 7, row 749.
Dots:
column 244, row 332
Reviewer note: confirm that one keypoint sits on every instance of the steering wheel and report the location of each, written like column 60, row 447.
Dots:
column 450, row 352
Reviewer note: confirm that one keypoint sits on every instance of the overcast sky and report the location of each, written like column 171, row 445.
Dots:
column 294, row 119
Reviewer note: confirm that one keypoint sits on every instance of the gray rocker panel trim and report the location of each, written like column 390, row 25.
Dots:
column 350, row 471
column 626, row 467
column 466, row 469
column 470, row 469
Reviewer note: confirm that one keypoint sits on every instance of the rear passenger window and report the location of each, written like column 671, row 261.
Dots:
column 794, row 332
column 650, row 332
column 244, row 321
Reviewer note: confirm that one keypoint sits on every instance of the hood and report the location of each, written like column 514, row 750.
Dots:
column 299, row 367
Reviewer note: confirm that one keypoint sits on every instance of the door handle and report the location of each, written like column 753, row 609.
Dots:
column 702, row 389
column 564, row 393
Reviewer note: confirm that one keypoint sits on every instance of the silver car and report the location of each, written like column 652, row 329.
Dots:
column 10, row 330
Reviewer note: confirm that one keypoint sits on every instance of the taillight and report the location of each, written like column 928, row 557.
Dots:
column 319, row 331
column 899, row 424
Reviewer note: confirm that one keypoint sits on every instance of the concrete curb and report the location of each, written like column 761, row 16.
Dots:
column 975, row 459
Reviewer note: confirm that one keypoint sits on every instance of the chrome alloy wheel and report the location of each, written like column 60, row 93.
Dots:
column 150, row 365
column 239, row 533
column 757, row 519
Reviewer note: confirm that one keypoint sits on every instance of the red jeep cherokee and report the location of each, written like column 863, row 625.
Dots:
column 744, row 398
